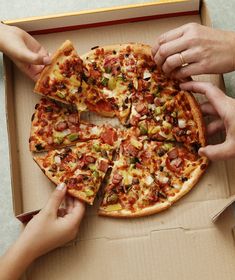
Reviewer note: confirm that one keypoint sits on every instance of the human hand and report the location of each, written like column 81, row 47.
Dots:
column 28, row 55
column 222, row 107
column 204, row 50
column 52, row 226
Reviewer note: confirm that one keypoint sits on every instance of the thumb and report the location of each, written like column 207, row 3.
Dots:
column 56, row 199
column 217, row 152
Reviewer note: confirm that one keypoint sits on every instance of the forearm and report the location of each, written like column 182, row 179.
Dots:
column 3, row 29
column 15, row 261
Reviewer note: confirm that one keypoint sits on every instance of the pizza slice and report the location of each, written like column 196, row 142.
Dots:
column 148, row 176
column 108, row 82
column 56, row 125
column 82, row 167
column 129, row 190
column 62, row 79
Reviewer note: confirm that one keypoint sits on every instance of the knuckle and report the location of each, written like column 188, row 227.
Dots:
column 204, row 65
column 193, row 26
column 192, row 41
column 162, row 51
column 162, row 39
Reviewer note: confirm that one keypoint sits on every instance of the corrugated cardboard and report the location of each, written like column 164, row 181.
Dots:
column 180, row 243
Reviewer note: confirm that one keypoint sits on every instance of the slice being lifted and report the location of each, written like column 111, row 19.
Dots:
column 56, row 125
column 82, row 167
column 62, row 79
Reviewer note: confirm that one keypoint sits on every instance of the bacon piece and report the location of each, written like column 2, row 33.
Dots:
column 173, row 153
column 140, row 107
column 117, row 178
column 73, row 118
column 103, row 166
column 89, row 159
column 109, row 136
column 149, row 98
column 61, row 126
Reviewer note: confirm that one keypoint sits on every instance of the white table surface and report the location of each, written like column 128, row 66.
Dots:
column 222, row 13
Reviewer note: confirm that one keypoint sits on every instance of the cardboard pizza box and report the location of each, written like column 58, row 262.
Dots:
column 181, row 243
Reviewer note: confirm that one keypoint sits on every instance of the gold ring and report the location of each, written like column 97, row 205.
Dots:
column 183, row 63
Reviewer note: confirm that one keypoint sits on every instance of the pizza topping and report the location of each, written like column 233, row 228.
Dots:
column 73, row 118
column 103, row 166
column 61, row 126
column 117, row 178
column 149, row 180
column 109, row 136
column 112, row 198
column 173, row 153
column 113, row 207
column 72, row 137
column 181, row 123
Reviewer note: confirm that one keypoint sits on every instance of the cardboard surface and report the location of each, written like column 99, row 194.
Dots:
column 107, row 15
column 180, row 243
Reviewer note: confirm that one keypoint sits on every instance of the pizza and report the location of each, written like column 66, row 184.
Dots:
column 140, row 167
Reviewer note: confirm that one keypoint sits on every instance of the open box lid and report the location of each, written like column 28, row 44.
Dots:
column 107, row 16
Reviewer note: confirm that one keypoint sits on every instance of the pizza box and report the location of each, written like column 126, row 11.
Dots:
column 184, row 242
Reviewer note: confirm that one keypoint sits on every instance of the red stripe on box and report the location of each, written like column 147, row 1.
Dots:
column 112, row 22
column 26, row 217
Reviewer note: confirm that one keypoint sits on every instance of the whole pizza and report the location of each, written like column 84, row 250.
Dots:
column 140, row 167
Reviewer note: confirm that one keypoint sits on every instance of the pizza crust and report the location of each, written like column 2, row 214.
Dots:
column 129, row 214
column 197, row 116
column 137, row 47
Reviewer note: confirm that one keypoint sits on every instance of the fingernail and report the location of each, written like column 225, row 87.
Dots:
column 46, row 60
column 61, row 186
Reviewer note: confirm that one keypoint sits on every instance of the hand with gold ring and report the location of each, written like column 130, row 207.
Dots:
column 199, row 49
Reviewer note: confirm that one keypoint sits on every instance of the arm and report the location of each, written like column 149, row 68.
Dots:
column 204, row 50
column 52, row 227
column 29, row 56
column 222, row 107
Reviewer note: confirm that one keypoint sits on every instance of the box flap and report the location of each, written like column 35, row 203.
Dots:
column 106, row 16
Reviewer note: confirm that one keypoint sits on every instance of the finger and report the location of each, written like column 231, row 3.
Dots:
column 174, row 61
column 69, row 203
column 217, row 152
column 56, row 199
column 28, row 56
column 78, row 212
column 32, row 71
column 215, row 96
column 187, row 71
column 208, row 109
column 167, row 49
column 166, row 37
column 215, row 126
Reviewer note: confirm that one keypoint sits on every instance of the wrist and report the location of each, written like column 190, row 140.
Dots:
column 232, row 47
column 15, row 261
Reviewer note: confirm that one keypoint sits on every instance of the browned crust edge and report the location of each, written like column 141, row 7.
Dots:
column 197, row 116
column 138, row 47
column 145, row 212
column 71, row 192
column 67, row 45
